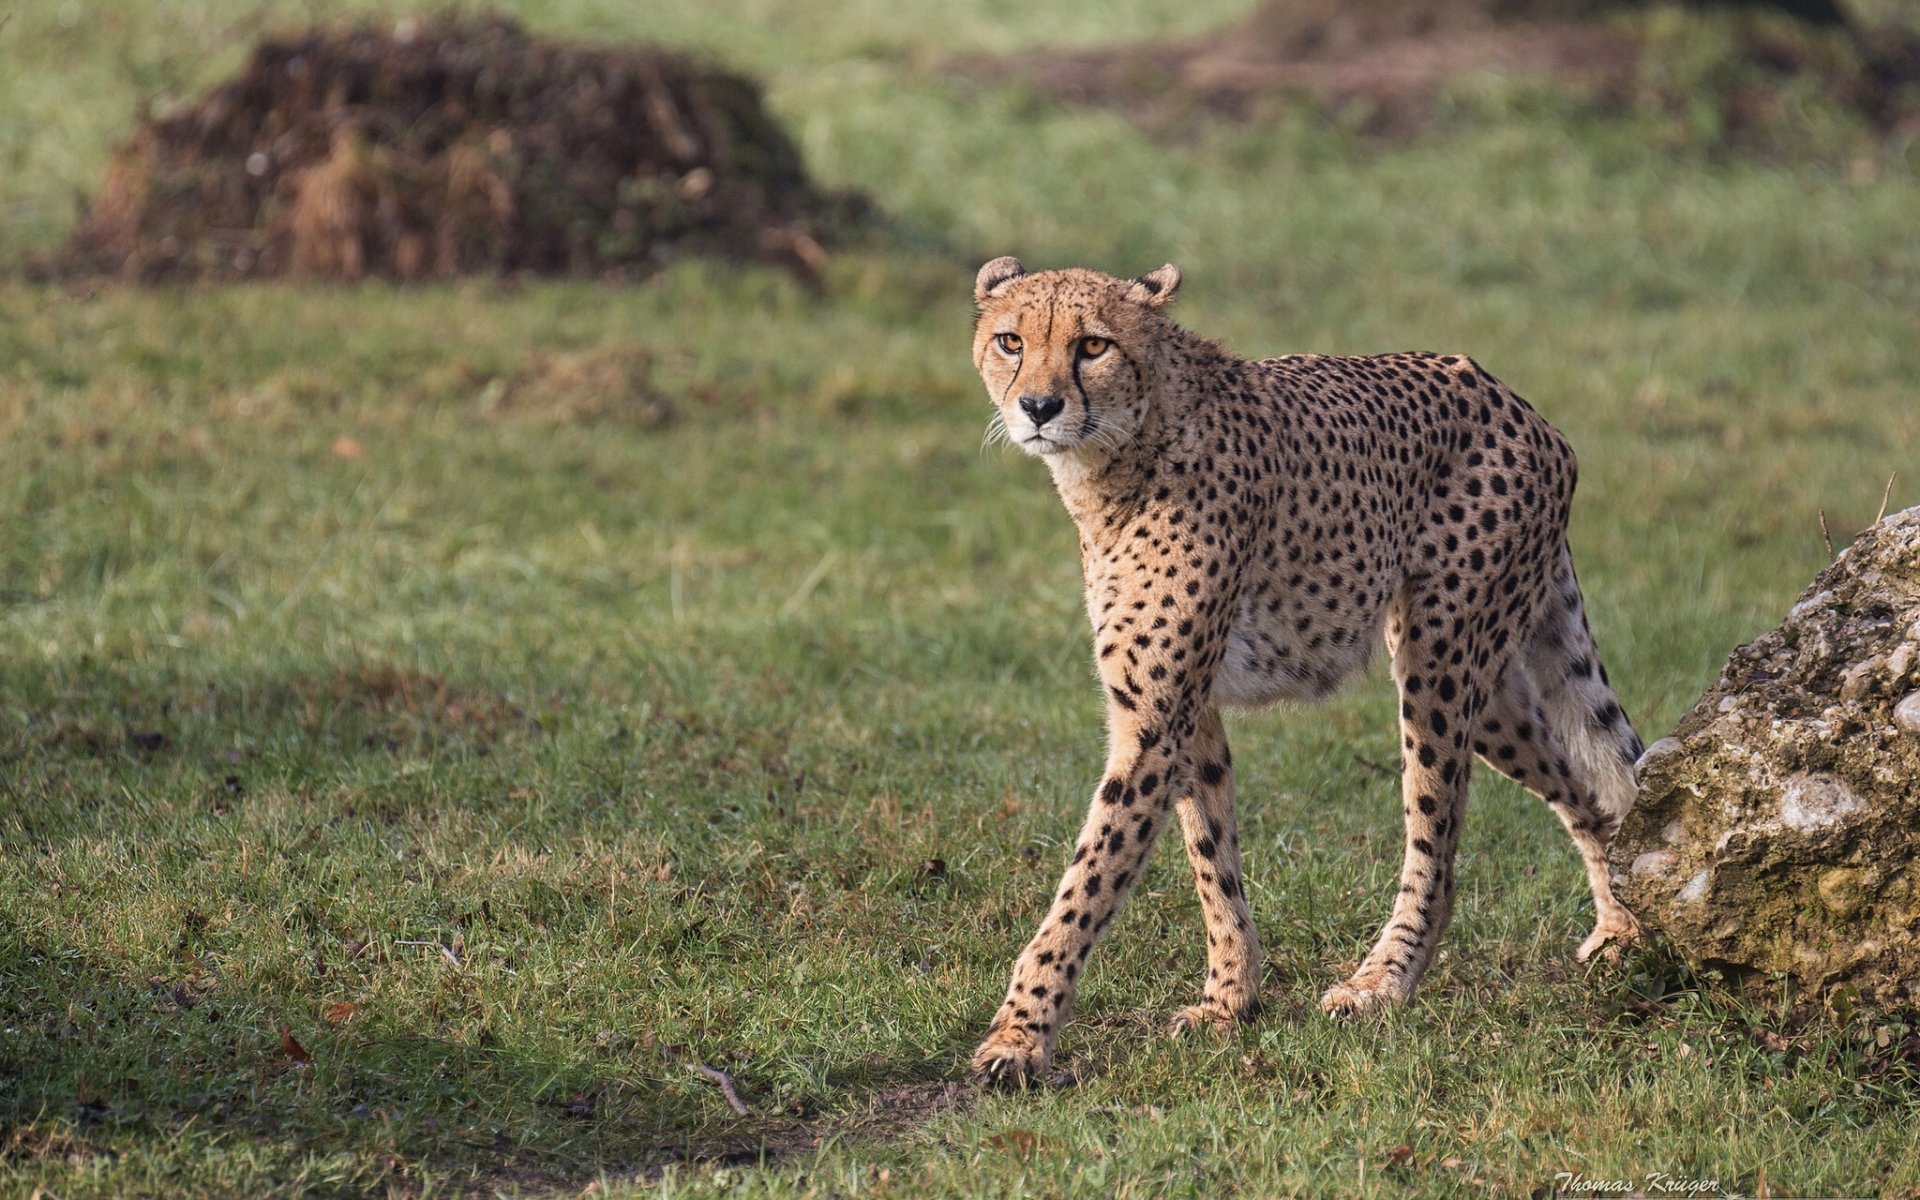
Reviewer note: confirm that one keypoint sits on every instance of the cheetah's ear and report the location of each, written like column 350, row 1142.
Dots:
column 995, row 276
column 1156, row 288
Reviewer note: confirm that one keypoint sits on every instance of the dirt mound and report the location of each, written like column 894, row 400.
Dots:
column 1381, row 65
column 454, row 147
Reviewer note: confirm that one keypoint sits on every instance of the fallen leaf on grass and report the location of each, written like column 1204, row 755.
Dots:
column 1400, row 1155
column 1023, row 1142
column 340, row 1012
column 292, row 1046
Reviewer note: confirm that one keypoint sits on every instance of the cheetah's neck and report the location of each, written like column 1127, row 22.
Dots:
column 1103, row 488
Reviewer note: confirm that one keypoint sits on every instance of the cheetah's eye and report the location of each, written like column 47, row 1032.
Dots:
column 1009, row 343
column 1093, row 347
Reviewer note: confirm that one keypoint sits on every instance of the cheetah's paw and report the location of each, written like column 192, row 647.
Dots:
column 1212, row 1015
column 1610, row 936
column 1354, row 998
column 1207, row 1015
column 1011, row 1058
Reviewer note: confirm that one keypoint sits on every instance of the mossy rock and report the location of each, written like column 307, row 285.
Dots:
column 1778, row 826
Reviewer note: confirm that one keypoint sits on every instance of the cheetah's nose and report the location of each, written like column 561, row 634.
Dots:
column 1041, row 409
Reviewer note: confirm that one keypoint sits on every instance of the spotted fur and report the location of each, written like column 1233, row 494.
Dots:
column 1249, row 532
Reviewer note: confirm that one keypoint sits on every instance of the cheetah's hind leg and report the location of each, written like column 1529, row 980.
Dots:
column 1562, row 712
column 1440, row 699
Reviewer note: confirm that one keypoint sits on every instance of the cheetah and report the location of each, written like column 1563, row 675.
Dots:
column 1249, row 531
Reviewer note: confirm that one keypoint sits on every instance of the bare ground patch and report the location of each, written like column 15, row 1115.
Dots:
column 1382, row 67
column 45, row 1142
column 885, row 1114
column 385, row 706
column 413, row 698
column 564, row 387
column 888, row 1113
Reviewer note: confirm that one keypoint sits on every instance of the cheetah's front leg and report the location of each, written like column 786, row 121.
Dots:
column 1232, row 990
column 1127, row 815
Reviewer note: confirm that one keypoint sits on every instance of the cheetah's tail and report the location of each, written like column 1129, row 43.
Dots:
column 1579, row 699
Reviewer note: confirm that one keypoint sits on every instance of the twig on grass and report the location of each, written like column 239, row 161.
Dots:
column 1371, row 765
column 448, row 952
column 800, row 594
column 726, row 1085
column 720, row 1077
column 1884, row 497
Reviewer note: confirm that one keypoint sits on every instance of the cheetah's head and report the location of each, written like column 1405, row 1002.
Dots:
column 1068, row 355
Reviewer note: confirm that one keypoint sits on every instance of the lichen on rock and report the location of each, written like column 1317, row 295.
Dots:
column 1778, row 827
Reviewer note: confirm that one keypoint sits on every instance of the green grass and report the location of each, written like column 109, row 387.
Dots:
column 756, row 738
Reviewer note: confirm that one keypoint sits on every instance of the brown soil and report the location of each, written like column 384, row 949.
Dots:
column 1385, row 63
column 563, row 387
column 416, row 699
column 889, row 1113
column 454, row 147
column 1381, row 64
column 36, row 1142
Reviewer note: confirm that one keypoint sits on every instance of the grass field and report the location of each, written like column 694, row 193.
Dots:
column 411, row 759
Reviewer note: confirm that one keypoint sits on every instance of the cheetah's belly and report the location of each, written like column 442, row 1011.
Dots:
column 1262, row 665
